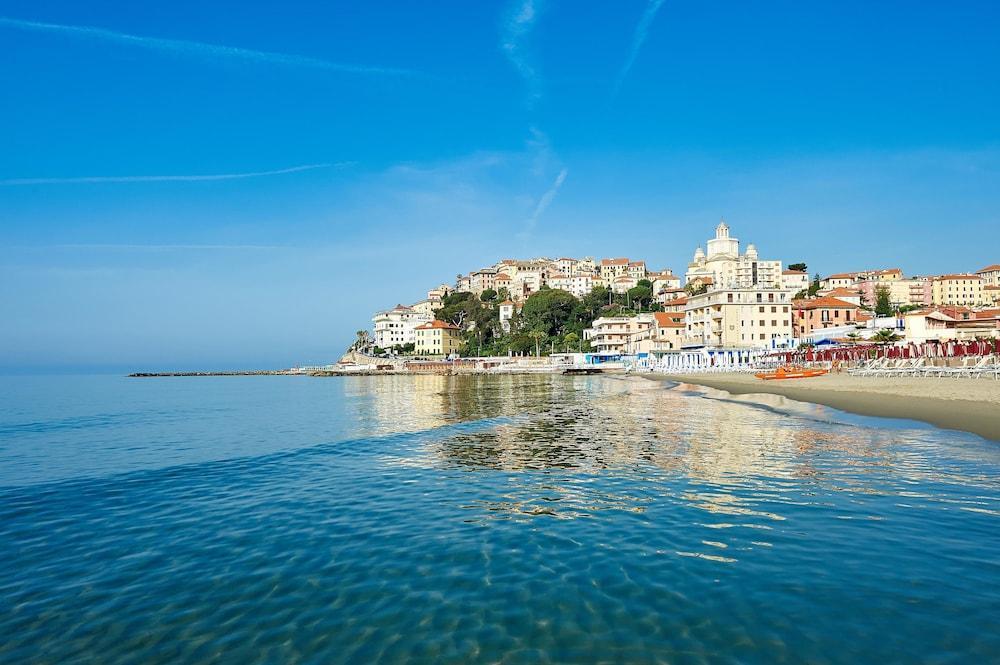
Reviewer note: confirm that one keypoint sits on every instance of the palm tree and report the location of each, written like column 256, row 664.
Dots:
column 362, row 342
column 885, row 336
column 537, row 335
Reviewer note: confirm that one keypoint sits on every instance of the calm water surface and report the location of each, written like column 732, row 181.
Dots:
column 484, row 519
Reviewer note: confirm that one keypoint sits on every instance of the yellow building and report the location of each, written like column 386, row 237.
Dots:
column 990, row 275
column 438, row 338
column 740, row 317
column 964, row 289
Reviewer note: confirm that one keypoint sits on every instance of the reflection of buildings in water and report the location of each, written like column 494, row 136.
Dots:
column 398, row 403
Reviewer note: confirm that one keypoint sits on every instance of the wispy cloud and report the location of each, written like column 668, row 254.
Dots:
column 544, row 203
column 200, row 49
column 638, row 38
column 516, row 27
column 164, row 178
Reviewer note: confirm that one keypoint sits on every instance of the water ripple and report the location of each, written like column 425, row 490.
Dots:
column 510, row 519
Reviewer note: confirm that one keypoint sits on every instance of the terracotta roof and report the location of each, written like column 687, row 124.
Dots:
column 843, row 275
column 988, row 313
column 502, row 275
column 565, row 259
column 995, row 266
column 437, row 324
column 840, row 292
column 637, row 263
column 825, row 302
column 614, row 262
column 623, row 278
column 401, row 308
column 669, row 319
column 507, row 302
column 957, row 276
column 559, row 275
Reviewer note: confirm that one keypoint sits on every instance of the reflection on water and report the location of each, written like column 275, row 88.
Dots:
column 474, row 518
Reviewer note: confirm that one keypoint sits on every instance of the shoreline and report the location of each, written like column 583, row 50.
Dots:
column 968, row 405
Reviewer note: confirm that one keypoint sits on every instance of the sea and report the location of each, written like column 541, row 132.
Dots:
column 484, row 519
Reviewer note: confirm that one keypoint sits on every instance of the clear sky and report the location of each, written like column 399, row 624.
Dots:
column 240, row 184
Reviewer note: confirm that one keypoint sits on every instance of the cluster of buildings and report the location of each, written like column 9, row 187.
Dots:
column 728, row 298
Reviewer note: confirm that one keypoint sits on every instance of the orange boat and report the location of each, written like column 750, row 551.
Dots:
column 791, row 372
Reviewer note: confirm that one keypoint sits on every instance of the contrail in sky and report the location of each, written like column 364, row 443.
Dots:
column 638, row 38
column 163, row 178
column 516, row 28
column 199, row 48
column 546, row 200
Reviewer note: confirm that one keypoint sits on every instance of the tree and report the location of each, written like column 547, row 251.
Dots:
column 883, row 306
column 695, row 288
column 571, row 340
column 548, row 310
column 814, row 287
column 503, row 294
column 645, row 282
column 362, row 342
column 885, row 336
column 537, row 336
column 801, row 267
column 640, row 297
column 488, row 295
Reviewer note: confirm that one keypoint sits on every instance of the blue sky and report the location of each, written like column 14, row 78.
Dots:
column 193, row 184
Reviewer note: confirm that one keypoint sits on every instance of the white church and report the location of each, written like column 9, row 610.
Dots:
column 723, row 267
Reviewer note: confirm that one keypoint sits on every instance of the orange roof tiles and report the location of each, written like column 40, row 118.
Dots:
column 992, row 268
column 841, row 291
column 956, row 276
column 669, row 319
column 826, row 302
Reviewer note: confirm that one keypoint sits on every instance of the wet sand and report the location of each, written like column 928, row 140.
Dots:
column 970, row 405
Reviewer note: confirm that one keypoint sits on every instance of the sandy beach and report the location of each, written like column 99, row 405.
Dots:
column 971, row 405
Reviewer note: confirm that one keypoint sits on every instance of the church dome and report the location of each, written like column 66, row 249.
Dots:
column 752, row 251
column 699, row 254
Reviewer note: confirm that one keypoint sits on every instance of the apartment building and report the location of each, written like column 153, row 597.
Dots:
column 740, row 317
column 614, row 334
column 437, row 338
column 397, row 326
column 959, row 289
column 990, row 275
column 821, row 313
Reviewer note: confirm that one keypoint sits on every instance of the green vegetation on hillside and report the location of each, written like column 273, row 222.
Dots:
column 550, row 320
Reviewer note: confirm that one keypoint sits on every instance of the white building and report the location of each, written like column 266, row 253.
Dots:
column 728, row 269
column 397, row 325
column 796, row 280
column 618, row 334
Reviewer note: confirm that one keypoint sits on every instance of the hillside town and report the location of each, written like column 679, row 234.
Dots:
column 728, row 301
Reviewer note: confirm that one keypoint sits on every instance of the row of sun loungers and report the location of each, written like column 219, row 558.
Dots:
column 970, row 367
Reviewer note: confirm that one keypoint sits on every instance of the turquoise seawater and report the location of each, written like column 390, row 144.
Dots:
column 483, row 519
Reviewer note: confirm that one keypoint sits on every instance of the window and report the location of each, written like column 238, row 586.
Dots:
column 762, row 323
column 761, row 309
column 774, row 322
column 773, row 310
